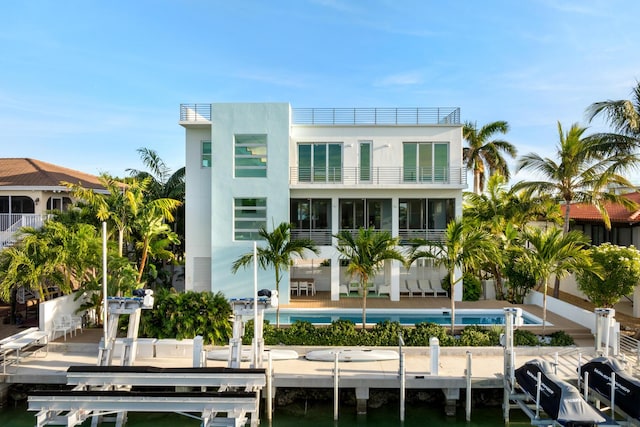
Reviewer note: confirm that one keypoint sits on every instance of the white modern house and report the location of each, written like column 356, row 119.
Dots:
column 324, row 170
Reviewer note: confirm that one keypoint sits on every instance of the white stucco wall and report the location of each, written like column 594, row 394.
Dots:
column 197, row 212
column 228, row 120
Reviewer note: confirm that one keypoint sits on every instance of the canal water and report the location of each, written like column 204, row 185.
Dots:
column 316, row 416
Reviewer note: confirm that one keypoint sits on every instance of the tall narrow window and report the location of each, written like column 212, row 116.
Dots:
column 365, row 160
column 320, row 162
column 251, row 156
column 249, row 216
column 205, row 154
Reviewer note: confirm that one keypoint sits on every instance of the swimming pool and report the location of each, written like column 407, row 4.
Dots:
column 464, row 317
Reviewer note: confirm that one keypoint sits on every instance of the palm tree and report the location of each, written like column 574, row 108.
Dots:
column 278, row 253
column 126, row 208
column 464, row 246
column 502, row 212
column 587, row 169
column 483, row 153
column 623, row 115
column 553, row 252
column 366, row 253
column 164, row 182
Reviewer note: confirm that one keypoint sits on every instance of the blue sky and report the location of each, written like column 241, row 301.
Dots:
column 83, row 84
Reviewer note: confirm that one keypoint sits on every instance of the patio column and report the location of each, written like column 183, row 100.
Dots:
column 636, row 302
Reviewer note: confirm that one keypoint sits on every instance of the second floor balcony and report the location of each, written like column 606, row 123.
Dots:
column 379, row 176
column 323, row 237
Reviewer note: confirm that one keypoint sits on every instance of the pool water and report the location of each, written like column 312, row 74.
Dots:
column 463, row 317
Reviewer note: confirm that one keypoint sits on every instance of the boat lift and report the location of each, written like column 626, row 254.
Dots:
column 221, row 396
column 243, row 309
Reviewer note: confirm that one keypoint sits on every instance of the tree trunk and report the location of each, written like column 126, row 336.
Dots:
column 365, row 291
column 452, row 289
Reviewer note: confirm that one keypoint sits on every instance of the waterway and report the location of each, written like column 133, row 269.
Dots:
column 312, row 416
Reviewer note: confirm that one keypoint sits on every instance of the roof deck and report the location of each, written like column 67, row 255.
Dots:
column 418, row 116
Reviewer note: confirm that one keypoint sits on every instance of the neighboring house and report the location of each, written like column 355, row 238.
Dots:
column 252, row 165
column 29, row 188
column 625, row 223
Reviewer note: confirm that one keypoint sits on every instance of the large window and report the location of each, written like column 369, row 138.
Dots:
column 320, row 162
column 251, row 156
column 205, row 154
column 365, row 213
column 311, row 219
column 413, row 214
column 365, row 160
column 441, row 212
column 249, row 216
column 425, row 162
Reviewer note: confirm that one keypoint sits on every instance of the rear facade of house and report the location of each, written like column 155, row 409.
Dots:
column 252, row 165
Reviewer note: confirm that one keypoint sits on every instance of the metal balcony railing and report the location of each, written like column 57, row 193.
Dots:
column 195, row 112
column 432, row 235
column 348, row 116
column 377, row 116
column 378, row 176
column 319, row 237
column 322, row 237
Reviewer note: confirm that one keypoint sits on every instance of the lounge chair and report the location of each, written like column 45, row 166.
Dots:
column 344, row 290
column 403, row 288
column 384, row 290
column 425, row 286
column 412, row 285
column 437, row 289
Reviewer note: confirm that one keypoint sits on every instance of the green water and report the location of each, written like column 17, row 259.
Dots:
column 317, row 416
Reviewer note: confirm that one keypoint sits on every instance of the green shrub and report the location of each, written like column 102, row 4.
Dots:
column 385, row 333
column 561, row 339
column 471, row 287
column 474, row 337
column 185, row 315
column 422, row 332
column 525, row 338
column 619, row 274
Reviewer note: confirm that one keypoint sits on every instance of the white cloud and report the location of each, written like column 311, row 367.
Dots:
column 401, row 79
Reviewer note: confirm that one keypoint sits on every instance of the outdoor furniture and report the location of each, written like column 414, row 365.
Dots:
column 344, row 290
column 303, row 285
column 74, row 322
column 306, row 285
column 425, row 285
column 23, row 345
column 59, row 325
column 354, row 287
column 412, row 285
column 384, row 290
column 437, row 289
column 293, row 285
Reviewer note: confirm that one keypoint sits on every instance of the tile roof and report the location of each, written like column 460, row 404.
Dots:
column 617, row 213
column 25, row 172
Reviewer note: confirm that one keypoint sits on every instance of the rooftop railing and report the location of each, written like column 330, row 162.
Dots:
column 347, row 116
column 195, row 112
column 376, row 116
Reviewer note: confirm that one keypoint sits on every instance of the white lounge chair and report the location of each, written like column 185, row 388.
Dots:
column 437, row 289
column 344, row 290
column 384, row 290
column 412, row 285
column 425, row 286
